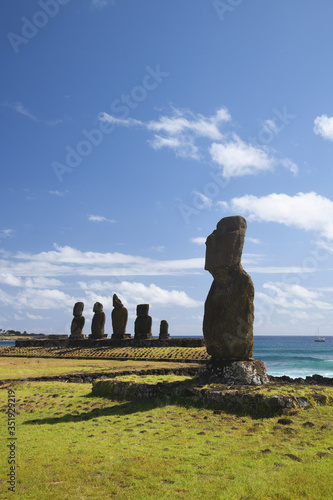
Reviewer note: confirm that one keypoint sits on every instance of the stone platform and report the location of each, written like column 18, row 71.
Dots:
column 237, row 372
column 127, row 342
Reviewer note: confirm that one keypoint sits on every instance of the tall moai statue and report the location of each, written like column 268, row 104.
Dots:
column 98, row 322
column 78, row 322
column 229, row 310
column 119, row 318
column 164, row 330
column 142, row 324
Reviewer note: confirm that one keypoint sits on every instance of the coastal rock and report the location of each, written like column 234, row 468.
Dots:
column 229, row 309
column 78, row 322
column 119, row 318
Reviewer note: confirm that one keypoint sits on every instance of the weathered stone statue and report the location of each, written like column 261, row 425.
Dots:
column 143, row 322
column 78, row 322
column 98, row 322
column 119, row 318
column 229, row 310
column 164, row 330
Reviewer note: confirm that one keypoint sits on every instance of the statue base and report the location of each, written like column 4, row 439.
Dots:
column 78, row 336
column 143, row 336
column 235, row 372
column 164, row 336
column 101, row 336
column 120, row 336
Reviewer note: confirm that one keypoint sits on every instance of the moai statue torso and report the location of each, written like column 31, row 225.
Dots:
column 119, row 318
column 78, row 322
column 164, row 330
column 143, row 322
column 98, row 322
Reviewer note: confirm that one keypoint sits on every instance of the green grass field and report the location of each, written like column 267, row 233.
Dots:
column 72, row 445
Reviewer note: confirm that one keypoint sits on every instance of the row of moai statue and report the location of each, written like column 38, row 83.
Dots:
column 119, row 317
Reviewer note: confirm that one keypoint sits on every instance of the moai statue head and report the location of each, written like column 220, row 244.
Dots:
column 117, row 303
column 78, row 309
column 142, row 309
column 225, row 245
column 98, row 307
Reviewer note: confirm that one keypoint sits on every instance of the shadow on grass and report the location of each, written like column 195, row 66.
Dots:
column 128, row 405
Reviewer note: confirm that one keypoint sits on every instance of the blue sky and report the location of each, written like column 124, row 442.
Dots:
column 129, row 129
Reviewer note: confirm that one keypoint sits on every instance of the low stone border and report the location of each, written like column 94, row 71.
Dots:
column 228, row 399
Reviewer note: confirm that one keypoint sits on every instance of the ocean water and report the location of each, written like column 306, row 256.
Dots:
column 292, row 356
column 295, row 356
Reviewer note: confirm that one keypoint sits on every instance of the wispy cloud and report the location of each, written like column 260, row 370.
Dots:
column 6, row 233
column 59, row 193
column 184, row 133
column 20, row 108
column 101, row 4
column 99, row 218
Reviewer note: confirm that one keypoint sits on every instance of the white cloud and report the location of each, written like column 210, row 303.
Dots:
column 34, row 316
column 256, row 241
column 238, row 158
column 181, row 131
column 135, row 293
column 99, row 218
column 68, row 261
column 290, row 298
column 199, row 240
column 308, row 211
column 323, row 125
column 10, row 279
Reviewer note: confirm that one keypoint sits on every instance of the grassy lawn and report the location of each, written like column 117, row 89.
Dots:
column 72, row 445
column 25, row 367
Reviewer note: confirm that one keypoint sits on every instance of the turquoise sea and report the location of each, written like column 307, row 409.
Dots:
column 292, row 356
column 295, row 356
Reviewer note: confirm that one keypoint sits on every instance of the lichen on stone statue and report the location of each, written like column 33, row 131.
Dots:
column 229, row 309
